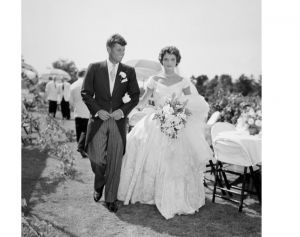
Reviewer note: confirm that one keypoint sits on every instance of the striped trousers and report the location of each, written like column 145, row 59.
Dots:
column 105, row 153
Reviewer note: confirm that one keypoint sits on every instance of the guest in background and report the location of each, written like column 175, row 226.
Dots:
column 81, row 112
column 51, row 94
column 64, row 97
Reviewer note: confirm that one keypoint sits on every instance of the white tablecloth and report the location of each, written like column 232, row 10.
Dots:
column 251, row 144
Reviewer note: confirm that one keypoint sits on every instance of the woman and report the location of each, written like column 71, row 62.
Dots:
column 157, row 169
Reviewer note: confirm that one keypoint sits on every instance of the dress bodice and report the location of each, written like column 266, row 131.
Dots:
column 161, row 91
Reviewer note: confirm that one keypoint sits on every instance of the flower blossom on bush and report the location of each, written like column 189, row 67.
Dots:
column 231, row 106
column 250, row 120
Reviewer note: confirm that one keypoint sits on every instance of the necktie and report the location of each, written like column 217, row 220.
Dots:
column 113, row 73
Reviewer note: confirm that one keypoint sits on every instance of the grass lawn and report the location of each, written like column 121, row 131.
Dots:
column 68, row 208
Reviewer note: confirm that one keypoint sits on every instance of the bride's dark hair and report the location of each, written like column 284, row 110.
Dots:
column 170, row 50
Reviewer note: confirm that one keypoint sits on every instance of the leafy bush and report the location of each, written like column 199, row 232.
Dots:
column 232, row 106
column 230, row 98
column 54, row 139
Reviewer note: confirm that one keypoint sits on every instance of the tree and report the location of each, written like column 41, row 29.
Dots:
column 68, row 66
column 200, row 83
column 211, row 85
column 244, row 85
column 257, row 87
column 225, row 82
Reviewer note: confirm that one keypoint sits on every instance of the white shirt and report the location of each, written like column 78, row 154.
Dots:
column 80, row 108
column 110, row 67
column 64, row 91
column 51, row 91
column 112, row 83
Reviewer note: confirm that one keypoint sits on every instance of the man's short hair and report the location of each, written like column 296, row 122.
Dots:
column 115, row 39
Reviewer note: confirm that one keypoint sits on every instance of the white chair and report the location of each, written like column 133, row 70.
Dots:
column 232, row 154
column 213, row 118
column 217, row 126
column 215, row 129
column 221, row 127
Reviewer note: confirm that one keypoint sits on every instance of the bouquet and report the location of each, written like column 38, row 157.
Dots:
column 172, row 116
column 250, row 120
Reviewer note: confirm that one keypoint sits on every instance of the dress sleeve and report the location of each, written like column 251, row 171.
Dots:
column 151, row 83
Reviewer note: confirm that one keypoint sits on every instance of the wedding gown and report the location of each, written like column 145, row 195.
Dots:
column 163, row 171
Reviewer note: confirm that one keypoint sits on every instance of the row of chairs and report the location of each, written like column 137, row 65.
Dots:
column 230, row 159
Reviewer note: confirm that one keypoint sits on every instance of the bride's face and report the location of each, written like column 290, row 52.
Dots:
column 169, row 62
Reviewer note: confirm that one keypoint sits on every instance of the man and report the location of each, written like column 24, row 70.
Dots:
column 64, row 94
column 51, row 94
column 81, row 112
column 103, row 88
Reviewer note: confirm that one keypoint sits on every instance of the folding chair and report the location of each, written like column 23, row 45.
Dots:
column 213, row 118
column 212, row 163
column 234, row 155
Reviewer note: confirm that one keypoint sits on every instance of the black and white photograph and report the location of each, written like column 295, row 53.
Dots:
column 145, row 118
column 141, row 118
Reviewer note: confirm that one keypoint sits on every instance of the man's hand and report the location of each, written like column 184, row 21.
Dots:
column 104, row 115
column 117, row 114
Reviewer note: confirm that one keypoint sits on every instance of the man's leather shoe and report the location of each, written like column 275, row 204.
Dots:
column 112, row 206
column 98, row 194
column 82, row 152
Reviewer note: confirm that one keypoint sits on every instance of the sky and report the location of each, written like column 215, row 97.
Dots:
column 214, row 36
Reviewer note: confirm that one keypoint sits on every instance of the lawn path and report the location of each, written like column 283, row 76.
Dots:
column 68, row 205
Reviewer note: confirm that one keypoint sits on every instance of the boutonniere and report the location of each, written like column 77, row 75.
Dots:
column 123, row 75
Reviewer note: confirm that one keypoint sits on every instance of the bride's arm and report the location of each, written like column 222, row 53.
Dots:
column 145, row 98
column 187, row 91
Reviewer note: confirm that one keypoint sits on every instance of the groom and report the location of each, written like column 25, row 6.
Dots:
column 104, row 86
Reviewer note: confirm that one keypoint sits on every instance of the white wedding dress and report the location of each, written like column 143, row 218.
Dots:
column 163, row 171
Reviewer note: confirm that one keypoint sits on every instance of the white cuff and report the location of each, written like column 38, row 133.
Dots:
column 122, row 113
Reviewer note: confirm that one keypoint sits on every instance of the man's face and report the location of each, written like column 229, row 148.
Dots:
column 116, row 53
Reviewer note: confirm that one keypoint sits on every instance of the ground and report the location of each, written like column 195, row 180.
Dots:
column 67, row 206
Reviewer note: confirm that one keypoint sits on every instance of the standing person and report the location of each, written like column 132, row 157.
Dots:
column 64, row 93
column 104, row 86
column 51, row 94
column 156, row 169
column 81, row 112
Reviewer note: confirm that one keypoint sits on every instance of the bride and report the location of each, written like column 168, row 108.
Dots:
column 157, row 169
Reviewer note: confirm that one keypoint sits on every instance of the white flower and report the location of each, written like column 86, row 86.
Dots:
column 179, row 126
column 258, row 112
column 126, row 98
column 251, row 112
column 258, row 123
column 167, row 109
column 182, row 116
column 176, row 120
column 122, row 74
column 250, row 121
